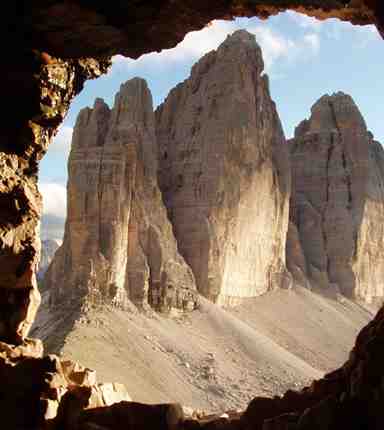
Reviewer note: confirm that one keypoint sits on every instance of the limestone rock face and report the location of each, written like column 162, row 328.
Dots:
column 337, row 201
column 224, row 172
column 118, row 243
column 48, row 249
column 368, row 265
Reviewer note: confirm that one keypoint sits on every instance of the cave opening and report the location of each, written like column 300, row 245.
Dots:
column 16, row 324
column 298, row 51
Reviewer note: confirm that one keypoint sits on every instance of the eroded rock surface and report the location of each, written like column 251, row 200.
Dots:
column 368, row 264
column 336, row 234
column 25, row 138
column 51, row 392
column 224, row 172
column 98, row 29
column 118, row 244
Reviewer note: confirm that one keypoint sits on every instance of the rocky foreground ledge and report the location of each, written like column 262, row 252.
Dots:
column 62, row 394
column 49, row 393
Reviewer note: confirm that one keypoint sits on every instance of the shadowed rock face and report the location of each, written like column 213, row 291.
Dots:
column 337, row 199
column 87, row 28
column 118, row 243
column 224, row 171
column 25, row 138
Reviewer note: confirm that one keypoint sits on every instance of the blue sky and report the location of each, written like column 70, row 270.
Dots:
column 304, row 59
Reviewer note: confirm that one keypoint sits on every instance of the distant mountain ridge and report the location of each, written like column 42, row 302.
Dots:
column 48, row 250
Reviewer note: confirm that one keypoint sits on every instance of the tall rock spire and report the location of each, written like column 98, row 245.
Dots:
column 224, row 172
column 118, row 245
column 337, row 203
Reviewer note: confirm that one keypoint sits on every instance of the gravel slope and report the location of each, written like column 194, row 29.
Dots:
column 211, row 359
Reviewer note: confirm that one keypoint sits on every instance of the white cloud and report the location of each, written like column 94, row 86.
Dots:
column 194, row 45
column 62, row 141
column 275, row 45
column 54, row 199
column 198, row 43
column 312, row 40
column 367, row 34
column 335, row 29
column 305, row 21
column 360, row 35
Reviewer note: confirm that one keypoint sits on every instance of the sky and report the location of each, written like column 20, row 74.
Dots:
column 304, row 59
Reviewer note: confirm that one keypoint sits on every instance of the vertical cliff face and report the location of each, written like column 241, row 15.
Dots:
column 337, row 195
column 368, row 265
column 118, row 244
column 224, row 172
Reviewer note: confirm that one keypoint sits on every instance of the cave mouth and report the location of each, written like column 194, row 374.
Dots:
column 48, row 67
column 309, row 38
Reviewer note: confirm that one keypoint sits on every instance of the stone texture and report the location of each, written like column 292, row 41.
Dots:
column 368, row 265
column 55, row 82
column 134, row 416
column 224, row 172
column 296, row 262
column 118, row 243
column 48, row 249
column 97, row 28
column 49, row 392
column 336, row 234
